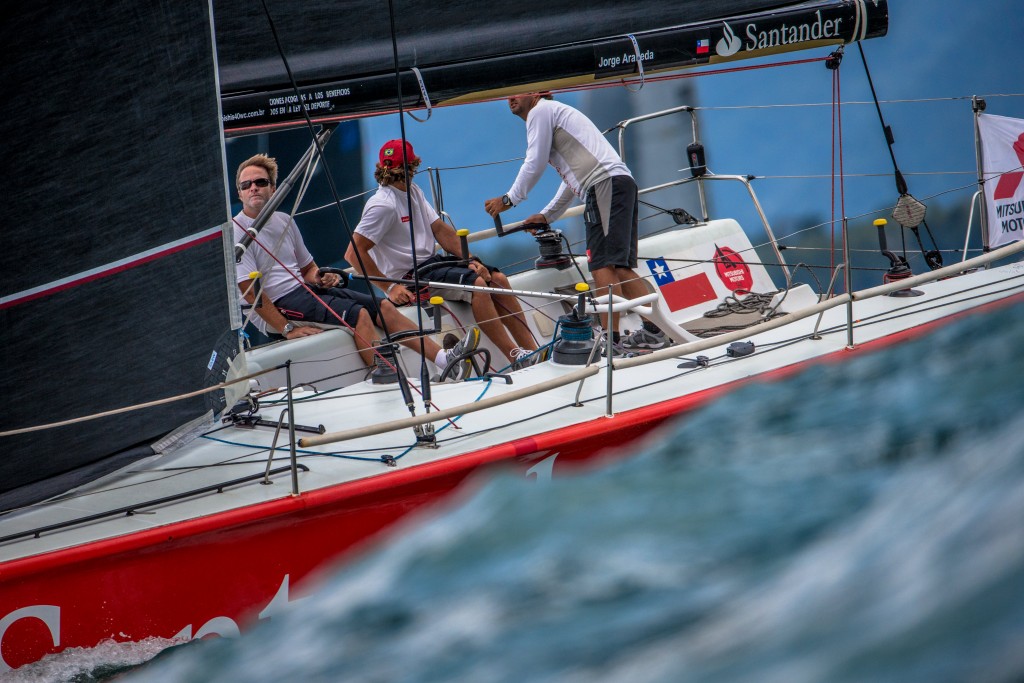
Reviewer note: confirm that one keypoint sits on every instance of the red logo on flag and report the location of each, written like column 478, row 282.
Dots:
column 731, row 268
column 1009, row 182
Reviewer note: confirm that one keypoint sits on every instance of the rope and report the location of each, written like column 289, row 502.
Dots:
column 409, row 206
column 842, row 184
column 754, row 302
column 334, row 189
column 832, row 187
column 139, row 406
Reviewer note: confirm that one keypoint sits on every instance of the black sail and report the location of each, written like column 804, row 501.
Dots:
column 114, row 289
column 341, row 53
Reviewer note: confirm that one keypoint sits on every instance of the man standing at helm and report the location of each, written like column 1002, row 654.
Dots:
column 591, row 170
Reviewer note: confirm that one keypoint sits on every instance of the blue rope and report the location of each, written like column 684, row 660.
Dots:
column 286, row 449
column 487, row 387
column 577, row 334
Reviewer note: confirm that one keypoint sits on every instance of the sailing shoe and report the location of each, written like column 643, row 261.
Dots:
column 524, row 358
column 466, row 346
column 643, row 339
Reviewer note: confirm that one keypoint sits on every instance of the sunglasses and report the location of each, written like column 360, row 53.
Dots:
column 259, row 182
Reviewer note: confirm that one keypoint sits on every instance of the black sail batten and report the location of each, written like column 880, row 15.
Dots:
column 115, row 284
column 466, row 59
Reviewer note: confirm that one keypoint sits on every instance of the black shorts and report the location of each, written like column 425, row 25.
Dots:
column 611, row 218
column 439, row 268
column 299, row 305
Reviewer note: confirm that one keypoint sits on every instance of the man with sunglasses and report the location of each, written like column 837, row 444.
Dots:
column 279, row 254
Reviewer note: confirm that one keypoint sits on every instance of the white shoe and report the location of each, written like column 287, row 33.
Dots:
column 524, row 358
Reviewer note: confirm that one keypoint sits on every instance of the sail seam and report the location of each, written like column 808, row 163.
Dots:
column 109, row 269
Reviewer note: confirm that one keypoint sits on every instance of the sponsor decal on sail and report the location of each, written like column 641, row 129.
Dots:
column 730, row 43
column 767, row 35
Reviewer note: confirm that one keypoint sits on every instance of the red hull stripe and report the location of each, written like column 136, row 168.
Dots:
column 601, row 432
column 109, row 269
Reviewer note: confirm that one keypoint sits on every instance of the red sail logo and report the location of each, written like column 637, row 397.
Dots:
column 1009, row 182
column 733, row 271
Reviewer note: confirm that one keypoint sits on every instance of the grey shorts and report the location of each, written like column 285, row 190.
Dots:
column 611, row 218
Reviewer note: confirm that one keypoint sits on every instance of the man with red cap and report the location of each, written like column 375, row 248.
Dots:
column 381, row 247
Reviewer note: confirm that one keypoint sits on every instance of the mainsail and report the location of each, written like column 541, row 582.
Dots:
column 114, row 283
column 342, row 55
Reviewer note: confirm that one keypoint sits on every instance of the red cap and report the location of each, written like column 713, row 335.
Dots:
column 393, row 155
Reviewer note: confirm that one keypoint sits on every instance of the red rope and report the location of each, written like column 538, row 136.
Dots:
column 837, row 144
column 335, row 314
column 842, row 183
column 832, row 196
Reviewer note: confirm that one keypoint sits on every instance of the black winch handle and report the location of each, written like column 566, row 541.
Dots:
column 502, row 231
column 894, row 260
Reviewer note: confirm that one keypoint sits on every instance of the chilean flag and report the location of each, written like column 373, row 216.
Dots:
column 703, row 46
column 680, row 294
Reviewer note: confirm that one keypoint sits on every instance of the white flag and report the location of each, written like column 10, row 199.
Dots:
column 1002, row 153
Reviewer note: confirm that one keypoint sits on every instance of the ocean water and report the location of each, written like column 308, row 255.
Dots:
column 862, row 521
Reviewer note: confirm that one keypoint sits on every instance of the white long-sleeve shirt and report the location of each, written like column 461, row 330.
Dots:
column 385, row 222
column 569, row 141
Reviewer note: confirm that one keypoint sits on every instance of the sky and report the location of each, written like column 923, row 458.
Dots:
column 943, row 51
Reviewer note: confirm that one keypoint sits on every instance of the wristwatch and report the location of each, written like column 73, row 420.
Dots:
column 286, row 330
column 505, row 200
